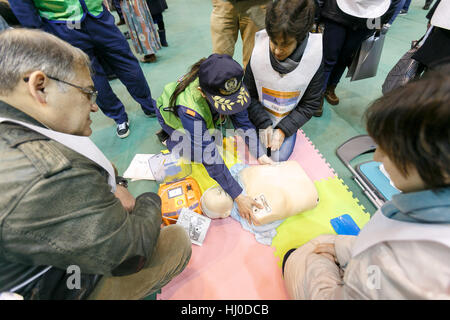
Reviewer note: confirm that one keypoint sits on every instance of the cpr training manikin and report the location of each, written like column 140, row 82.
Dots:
column 285, row 190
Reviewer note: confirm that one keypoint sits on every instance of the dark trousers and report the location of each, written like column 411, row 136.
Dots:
column 158, row 19
column 340, row 44
column 116, row 4
column 100, row 38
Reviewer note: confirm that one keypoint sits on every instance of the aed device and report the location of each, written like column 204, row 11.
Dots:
column 177, row 195
column 176, row 190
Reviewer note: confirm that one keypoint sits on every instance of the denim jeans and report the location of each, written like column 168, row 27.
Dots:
column 400, row 6
column 285, row 150
column 406, row 5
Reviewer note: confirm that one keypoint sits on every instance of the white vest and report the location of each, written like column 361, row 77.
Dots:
column 441, row 17
column 279, row 93
column 382, row 229
column 79, row 144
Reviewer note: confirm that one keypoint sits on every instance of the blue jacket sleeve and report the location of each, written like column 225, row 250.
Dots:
column 27, row 14
column 248, row 132
column 204, row 150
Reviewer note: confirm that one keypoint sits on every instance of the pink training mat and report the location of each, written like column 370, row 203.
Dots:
column 230, row 265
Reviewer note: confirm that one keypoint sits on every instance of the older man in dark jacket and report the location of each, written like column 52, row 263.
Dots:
column 68, row 231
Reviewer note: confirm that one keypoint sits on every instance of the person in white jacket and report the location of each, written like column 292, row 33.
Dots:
column 404, row 250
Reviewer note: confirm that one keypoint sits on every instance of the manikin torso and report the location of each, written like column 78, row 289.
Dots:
column 286, row 187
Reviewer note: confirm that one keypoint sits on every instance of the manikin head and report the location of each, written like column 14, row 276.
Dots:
column 216, row 203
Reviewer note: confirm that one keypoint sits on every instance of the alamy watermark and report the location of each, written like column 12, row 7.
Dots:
column 73, row 281
column 374, row 24
column 207, row 146
column 373, row 281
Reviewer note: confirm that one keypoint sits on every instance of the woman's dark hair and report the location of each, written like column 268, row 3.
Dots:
column 412, row 126
column 184, row 83
column 290, row 18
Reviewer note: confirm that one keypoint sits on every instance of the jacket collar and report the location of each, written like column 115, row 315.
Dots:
column 426, row 206
column 292, row 61
column 8, row 111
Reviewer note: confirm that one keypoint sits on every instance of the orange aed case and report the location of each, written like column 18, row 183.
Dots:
column 176, row 195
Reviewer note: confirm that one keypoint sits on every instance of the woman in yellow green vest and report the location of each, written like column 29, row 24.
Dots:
column 189, row 109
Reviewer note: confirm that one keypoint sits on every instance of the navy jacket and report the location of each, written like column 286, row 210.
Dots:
column 215, row 166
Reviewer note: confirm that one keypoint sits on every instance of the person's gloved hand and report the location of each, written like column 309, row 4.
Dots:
column 277, row 139
column 264, row 159
column 265, row 136
column 245, row 207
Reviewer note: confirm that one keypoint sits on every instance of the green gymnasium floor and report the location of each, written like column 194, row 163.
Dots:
column 189, row 38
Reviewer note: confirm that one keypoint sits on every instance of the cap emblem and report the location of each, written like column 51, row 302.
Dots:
column 231, row 86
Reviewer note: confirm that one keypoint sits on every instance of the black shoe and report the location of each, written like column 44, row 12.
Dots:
column 162, row 37
column 123, row 130
column 112, row 76
column 162, row 136
column 127, row 35
column 402, row 12
column 149, row 114
column 426, row 6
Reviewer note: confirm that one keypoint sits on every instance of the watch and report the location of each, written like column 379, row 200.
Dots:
column 121, row 181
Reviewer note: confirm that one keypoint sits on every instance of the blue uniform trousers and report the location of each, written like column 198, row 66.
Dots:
column 100, row 38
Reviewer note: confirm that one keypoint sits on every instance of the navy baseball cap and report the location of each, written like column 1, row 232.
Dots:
column 220, row 79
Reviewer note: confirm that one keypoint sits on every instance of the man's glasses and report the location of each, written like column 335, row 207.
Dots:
column 90, row 92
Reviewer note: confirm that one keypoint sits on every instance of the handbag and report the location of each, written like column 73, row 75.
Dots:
column 406, row 69
column 366, row 61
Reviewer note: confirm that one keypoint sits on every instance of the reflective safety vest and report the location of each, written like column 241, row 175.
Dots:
column 67, row 10
column 190, row 98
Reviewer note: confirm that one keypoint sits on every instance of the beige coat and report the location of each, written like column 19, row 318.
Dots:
column 387, row 270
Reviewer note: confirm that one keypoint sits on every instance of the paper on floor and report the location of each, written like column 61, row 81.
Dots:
column 139, row 168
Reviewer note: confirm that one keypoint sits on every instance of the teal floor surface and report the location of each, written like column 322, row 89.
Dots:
column 189, row 38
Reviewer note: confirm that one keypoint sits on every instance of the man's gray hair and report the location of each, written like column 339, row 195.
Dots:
column 24, row 50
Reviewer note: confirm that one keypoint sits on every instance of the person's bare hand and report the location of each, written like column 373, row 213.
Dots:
column 125, row 197
column 327, row 250
column 245, row 207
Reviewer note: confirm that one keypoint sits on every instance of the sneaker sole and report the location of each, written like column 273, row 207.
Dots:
column 121, row 136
